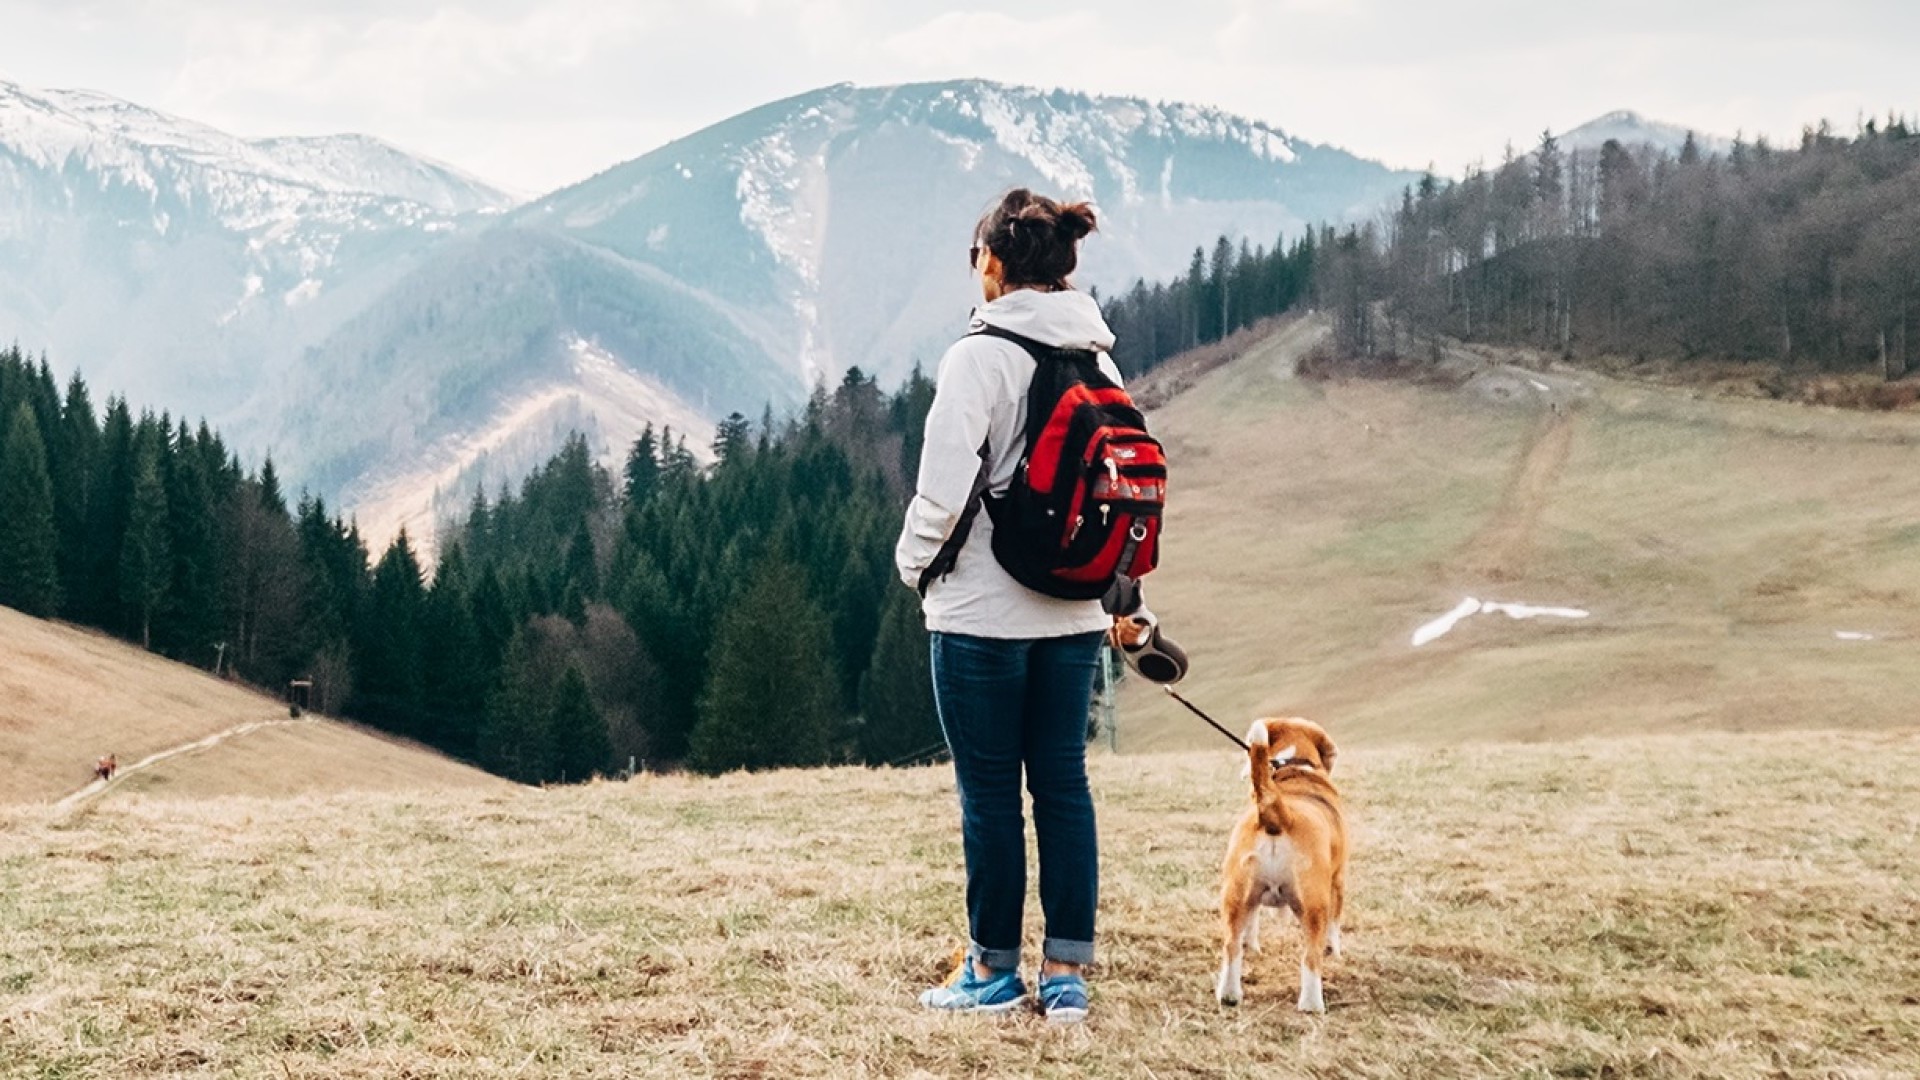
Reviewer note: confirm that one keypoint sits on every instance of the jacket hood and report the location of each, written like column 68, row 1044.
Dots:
column 1065, row 320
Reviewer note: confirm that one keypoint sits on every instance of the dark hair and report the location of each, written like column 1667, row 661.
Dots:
column 1034, row 237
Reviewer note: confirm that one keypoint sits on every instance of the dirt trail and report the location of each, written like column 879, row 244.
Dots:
column 1498, row 552
column 97, row 786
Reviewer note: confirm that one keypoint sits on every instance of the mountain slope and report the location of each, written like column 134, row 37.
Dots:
column 395, row 336
column 834, row 215
column 174, row 261
column 1632, row 130
column 69, row 697
column 773, row 251
column 1746, row 565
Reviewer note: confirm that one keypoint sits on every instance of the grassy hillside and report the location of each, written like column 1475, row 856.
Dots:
column 1581, row 849
column 1670, row 906
column 69, row 696
column 1719, row 543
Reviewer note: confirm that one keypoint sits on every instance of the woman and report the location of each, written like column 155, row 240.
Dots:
column 1012, row 669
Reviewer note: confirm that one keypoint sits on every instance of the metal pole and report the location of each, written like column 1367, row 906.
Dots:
column 1109, row 708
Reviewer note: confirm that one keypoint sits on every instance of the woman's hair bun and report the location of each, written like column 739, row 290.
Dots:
column 1076, row 221
column 1035, row 237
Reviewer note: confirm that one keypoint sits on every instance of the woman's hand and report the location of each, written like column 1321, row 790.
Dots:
column 1129, row 632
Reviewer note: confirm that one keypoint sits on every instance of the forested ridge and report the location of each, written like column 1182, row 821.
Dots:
column 746, row 613
column 1224, row 291
column 1806, row 258
column 721, row 617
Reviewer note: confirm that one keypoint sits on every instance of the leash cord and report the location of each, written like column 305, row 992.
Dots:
column 1195, row 710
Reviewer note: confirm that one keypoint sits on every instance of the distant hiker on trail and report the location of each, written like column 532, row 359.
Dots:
column 105, row 768
column 1013, row 665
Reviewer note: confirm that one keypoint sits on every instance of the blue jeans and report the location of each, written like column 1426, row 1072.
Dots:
column 1005, row 706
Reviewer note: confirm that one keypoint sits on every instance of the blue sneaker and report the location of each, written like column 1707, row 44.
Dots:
column 967, row 992
column 1064, row 998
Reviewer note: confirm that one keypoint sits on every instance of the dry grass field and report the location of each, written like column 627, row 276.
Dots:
column 1720, row 544
column 69, row 696
column 1661, row 906
column 1674, row 839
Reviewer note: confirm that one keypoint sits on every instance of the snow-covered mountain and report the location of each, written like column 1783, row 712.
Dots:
column 171, row 260
column 1631, row 130
column 834, row 215
column 742, row 264
column 395, row 331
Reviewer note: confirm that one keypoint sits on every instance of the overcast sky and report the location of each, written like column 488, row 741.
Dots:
column 535, row 94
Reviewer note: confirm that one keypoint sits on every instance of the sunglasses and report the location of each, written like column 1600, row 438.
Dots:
column 973, row 256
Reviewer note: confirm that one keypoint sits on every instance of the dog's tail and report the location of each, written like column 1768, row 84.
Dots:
column 1273, row 814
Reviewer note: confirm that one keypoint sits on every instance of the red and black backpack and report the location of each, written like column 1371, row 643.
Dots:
column 1085, row 505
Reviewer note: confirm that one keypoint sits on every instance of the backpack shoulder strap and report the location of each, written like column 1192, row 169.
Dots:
column 1056, row 368
column 1037, row 349
column 1034, row 348
column 949, row 553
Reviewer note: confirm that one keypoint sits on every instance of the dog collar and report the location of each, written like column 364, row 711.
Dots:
column 1292, row 763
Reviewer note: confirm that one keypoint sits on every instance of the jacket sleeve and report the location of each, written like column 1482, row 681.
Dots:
column 949, row 457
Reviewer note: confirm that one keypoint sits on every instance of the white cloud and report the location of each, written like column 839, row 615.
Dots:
column 536, row 93
column 972, row 39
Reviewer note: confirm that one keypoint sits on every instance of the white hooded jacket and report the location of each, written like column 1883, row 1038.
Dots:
column 981, row 396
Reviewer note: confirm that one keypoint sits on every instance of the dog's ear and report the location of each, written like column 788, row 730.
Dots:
column 1324, row 744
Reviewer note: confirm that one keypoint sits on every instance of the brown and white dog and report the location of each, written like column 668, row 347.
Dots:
column 1288, row 850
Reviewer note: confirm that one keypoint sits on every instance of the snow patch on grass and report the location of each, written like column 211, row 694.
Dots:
column 1440, row 627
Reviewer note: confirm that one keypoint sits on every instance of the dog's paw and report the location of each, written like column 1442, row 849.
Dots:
column 1227, row 988
column 1311, row 998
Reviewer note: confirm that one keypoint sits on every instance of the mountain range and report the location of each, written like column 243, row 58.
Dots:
column 396, row 332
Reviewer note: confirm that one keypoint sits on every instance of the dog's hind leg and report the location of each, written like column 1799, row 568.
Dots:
column 1339, row 909
column 1235, row 910
column 1250, row 936
column 1316, row 910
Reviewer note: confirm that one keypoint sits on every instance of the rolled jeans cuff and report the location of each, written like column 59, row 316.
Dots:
column 997, row 959
column 1067, row 952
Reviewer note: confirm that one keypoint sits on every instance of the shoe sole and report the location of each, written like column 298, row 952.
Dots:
column 1066, row 1016
column 982, row 1010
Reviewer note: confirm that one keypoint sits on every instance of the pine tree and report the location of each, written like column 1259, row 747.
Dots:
column 493, row 624
column 573, row 482
column 579, row 734
column 1219, row 291
column 261, row 586
column 270, row 495
column 146, row 557
column 453, row 681
column 770, row 691
column 29, row 567
column 643, row 467
column 732, row 437
column 192, row 608
column 897, row 716
column 678, row 466
column 582, row 569
column 1193, row 312
column 109, row 502
column 516, row 737
column 388, row 653
column 73, row 488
